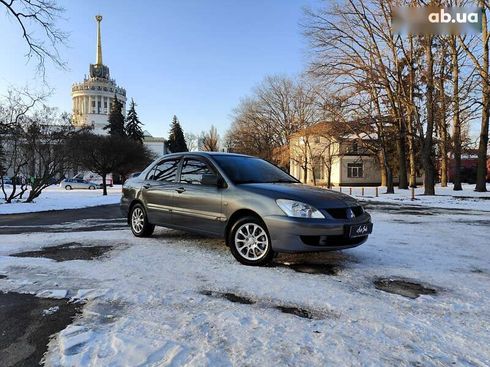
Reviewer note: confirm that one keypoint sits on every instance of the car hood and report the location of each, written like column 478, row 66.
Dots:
column 318, row 197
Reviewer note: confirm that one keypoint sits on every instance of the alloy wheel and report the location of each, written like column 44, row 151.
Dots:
column 138, row 220
column 251, row 241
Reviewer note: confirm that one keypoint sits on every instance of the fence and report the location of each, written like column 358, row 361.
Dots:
column 369, row 191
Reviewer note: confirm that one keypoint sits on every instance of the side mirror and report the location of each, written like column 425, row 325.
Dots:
column 209, row 180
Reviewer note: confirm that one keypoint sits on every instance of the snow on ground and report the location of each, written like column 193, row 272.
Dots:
column 445, row 197
column 56, row 198
column 158, row 301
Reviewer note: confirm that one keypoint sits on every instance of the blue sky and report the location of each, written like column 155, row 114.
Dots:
column 191, row 58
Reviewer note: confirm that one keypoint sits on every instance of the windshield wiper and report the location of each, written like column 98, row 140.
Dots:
column 283, row 181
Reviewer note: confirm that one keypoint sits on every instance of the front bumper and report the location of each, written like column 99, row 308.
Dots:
column 290, row 234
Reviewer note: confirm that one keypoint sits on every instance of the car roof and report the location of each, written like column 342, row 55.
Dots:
column 205, row 154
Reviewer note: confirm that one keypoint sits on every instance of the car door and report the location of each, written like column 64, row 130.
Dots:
column 79, row 184
column 198, row 206
column 158, row 189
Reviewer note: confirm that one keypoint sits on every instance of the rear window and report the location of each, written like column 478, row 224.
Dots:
column 165, row 171
column 193, row 170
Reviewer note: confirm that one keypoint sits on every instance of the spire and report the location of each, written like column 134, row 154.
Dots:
column 98, row 58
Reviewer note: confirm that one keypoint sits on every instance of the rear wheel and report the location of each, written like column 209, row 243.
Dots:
column 139, row 222
column 91, row 187
column 250, row 242
column 67, row 187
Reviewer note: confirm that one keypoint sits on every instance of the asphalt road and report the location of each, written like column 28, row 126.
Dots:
column 97, row 218
column 26, row 325
column 109, row 217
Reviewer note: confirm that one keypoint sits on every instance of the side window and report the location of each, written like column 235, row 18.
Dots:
column 165, row 171
column 192, row 171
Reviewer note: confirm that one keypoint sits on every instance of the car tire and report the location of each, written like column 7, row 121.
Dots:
column 67, row 187
column 91, row 187
column 250, row 242
column 138, row 221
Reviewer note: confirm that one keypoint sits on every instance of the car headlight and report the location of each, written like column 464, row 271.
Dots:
column 298, row 209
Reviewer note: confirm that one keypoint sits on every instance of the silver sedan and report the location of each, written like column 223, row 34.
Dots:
column 77, row 183
column 258, row 208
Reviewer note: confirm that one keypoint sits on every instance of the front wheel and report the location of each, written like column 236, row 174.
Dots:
column 139, row 222
column 67, row 187
column 91, row 187
column 250, row 242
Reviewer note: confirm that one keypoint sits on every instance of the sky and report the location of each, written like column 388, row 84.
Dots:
column 192, row 58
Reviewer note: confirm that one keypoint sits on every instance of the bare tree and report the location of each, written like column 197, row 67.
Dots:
column 36, row 17
column 382, row 75
column 480, row 58
column 210, row 140
column 46, row 149
column 192, row 141
column 110, row 154
column 15, row 112
column 264, row 122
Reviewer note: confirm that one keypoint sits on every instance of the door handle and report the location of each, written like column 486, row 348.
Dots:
column 180, row 190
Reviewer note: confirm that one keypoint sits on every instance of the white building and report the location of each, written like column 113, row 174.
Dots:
column 92, row 99
column 320, row 157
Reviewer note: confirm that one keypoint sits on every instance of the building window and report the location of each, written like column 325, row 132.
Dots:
column 354, row 170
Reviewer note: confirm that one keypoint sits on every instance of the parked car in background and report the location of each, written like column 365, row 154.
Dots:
column 258, row 208
column 7, row 180
column 95, row 178
column 77, row 183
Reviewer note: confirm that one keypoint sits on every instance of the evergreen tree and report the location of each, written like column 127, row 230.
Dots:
column 176, row 141
column 116, row 119
column 133, row 124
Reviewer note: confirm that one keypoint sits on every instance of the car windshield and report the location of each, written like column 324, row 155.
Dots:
column 243, row 170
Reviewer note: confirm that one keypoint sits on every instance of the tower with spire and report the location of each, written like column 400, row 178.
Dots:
column 92, row 99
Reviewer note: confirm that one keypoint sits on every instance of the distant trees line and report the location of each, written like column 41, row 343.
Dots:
column 410, row 98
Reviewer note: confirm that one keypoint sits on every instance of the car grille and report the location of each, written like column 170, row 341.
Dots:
column 343, row 213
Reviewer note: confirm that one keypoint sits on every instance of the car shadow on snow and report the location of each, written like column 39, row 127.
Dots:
column 325, row 263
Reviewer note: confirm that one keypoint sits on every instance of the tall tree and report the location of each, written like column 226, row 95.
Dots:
column 176, row 140
column 481, row 61
column 115, row 124
column 2, row 158
column 456, row 139
column 133, row 124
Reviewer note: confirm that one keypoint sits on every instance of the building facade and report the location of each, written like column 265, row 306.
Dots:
column 92, row 99
column 325, row 160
